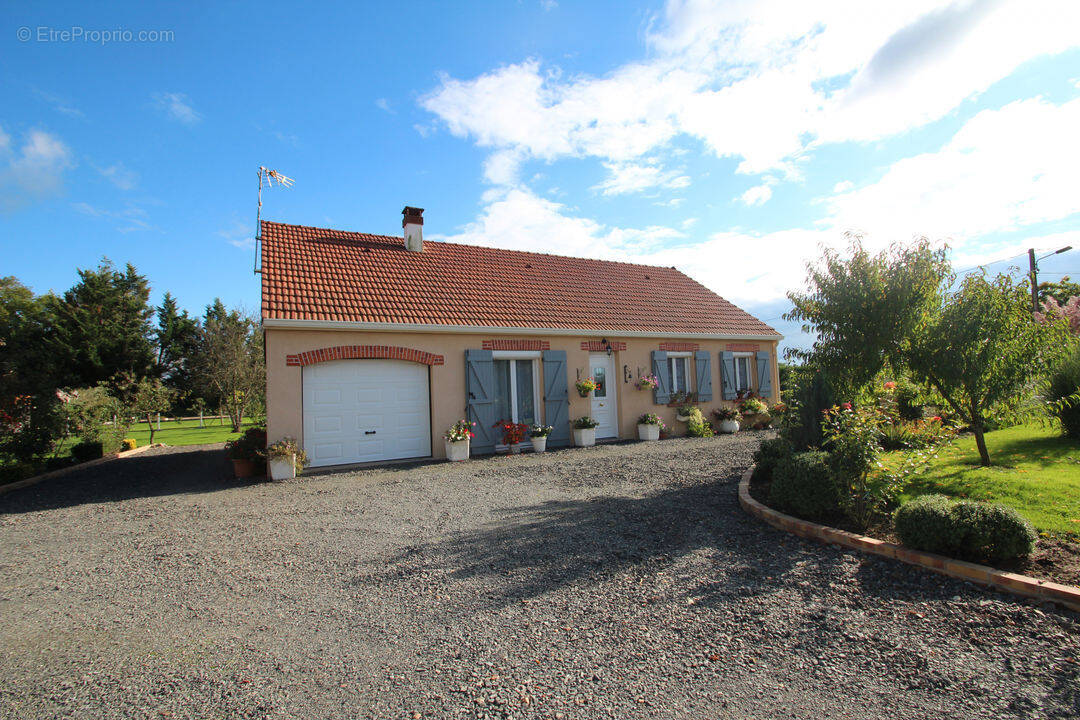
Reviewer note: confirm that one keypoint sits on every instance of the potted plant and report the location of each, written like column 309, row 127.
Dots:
column 512, row 434
column 538, row 434
column 585, row 431
column 728, row 418
column 585, row 387
column 649, row 426
column 686, row 411
column 456, row 440
column 286, row 459
column 754, row 411
column 647, row 382
column 248, row 453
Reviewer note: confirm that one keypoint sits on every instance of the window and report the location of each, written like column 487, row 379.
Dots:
column 743, row 381
column 599, row 374
column 679, row 372
column 516, row 390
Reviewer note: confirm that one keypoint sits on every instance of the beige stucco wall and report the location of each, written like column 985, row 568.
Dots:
column 284, row 412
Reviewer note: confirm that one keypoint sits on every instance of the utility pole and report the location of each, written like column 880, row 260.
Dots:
column 1034, row 272
column 1033, row 263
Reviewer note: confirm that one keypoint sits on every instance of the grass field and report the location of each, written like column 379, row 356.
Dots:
column 1035, row 470
column 186, row 432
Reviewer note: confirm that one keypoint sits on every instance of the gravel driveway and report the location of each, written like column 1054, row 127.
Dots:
column 620, row 581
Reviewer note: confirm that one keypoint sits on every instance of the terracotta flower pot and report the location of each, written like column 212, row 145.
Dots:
column 248, row 468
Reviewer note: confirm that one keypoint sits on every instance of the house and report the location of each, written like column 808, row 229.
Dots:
column 375, row 345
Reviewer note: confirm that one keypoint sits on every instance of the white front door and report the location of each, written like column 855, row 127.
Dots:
column 604, row 404
column 366, row 410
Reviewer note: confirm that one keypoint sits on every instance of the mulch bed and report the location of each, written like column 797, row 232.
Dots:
column 1055, row 558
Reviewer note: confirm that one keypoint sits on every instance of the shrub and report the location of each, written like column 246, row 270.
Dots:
column 925, row 524
column 802, row 424
column 585, row 423
column 989, row 532
column 249, row 446
column 768, row 455
column 980, row 532
column 909, row 401
column 698, row 426
column 90, row 450
column 1064, row 386
column 753, row 406
column 128, row 444
column 896, row 436
column 803, row 485
column 288, row 449
column 651, row 419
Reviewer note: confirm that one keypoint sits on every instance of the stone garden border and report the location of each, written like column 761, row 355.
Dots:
column 1044, row 590
column 27, row 482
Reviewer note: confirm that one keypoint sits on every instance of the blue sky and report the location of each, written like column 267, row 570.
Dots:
column 730, row 139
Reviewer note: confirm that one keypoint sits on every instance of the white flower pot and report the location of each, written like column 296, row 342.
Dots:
column 584, row 437
column 682, row 418
column 648, row 432
column 457, row 451
column 539, row 444
column 729, row 426
column 282, row 469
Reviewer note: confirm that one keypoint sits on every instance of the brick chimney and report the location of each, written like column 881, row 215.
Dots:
column 413, row 222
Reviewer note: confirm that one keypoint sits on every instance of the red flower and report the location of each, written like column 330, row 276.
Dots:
column 846, row 406
column 890, row 385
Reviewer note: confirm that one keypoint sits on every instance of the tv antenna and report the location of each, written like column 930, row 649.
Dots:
column 270, row 176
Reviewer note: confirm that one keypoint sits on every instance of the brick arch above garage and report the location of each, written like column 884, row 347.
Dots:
column 363, row 352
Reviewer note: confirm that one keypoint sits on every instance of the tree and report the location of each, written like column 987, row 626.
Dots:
column 177, row 337
column 984, row 348
column 30, row 412
column 230, row 362
column 1060, row 291
column 150, row 397
column 103, row 326
column 864, row 309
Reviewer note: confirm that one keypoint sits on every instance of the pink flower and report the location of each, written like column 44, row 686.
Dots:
column 846, row 406
column 890, row 385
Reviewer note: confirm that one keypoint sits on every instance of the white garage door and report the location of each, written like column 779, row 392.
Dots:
column 365, row 410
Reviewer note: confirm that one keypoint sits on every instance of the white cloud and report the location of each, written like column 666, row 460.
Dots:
column 120, row 176
column 33, row 171
column 843, row 186
column 548, row 5
column 759, row 194
column 178, row 107
column 132, row 218
column 61, row 105
column 624, row 178
column 761, row 81
column 1003, row 170
column 384, row 105
column 238, row 234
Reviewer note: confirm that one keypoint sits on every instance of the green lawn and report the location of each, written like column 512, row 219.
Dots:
column 1035, row 470
column 186, row 432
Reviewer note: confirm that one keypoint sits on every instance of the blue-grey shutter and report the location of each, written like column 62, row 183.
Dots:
column 480, row 399
column 556, row 400
column 703, row 370
column 662, row 393
column 764, row 374
column 727, row 375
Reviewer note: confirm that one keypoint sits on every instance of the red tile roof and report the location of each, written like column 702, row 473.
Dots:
column 318, row 274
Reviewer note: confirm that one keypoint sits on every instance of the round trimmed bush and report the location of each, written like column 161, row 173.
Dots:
column 991, row 533
column 803, row 485
column 925, row 523
column 768, row 454
column 980, row 532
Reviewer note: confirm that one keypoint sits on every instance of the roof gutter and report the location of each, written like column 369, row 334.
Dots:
column 345, row 325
